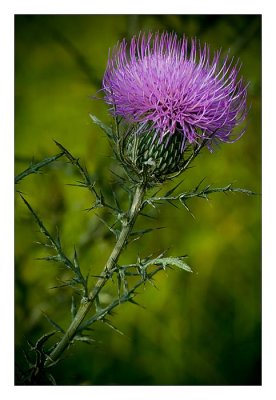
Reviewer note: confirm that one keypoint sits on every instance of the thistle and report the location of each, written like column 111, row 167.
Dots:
column 177, row 86
column 169, row 98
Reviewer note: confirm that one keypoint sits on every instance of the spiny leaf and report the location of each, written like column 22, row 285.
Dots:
column 176, row 261
column 76, row 262
column 83, row 171
column 55, row 325
column 122, row 275
column 144, row 231
column 86, row 184
column 136, row 235
column 44, row 244
column 104, row 127
column 98, row 204
column 199, row 184
column 57, row 241
column 116, row 201
column 155, row 193
column 108, row 323
column 203, row 193
column 121, row 178
column 34, row 168
column 28, row 359
column 186, row 207
column 66, row 152
column 131, row 300
column 85, row 339
column 50, row 258
column 146, row 215
column 80, row 184
column 30, row 344
column 209, row 190
column 115, row 232
column 42, row 340
column 97, row 304
column 73, row 308
column 51, row 379
column 71, row 283
column 39, row 222
column 119, row 284
column 172, row 204
column 170, row 192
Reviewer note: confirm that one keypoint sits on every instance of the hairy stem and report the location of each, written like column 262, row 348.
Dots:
column 86, row 303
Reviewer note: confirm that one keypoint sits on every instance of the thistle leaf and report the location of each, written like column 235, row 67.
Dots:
column 186, row 207
column 108, row 131
column 53, row 323
column 119, row 283
column 42, row 340
column 39, row 222
column 170, row 192
column 172, row 204
column 98, row 305
column 147, row 216
column 131, row 300
column 51, row 379
column 76, row 262
column 27, row 358
column 199, row 184
column 116, row 201
column 85, row 339
column 167, row 261
column 115, row 232
column 122, row 275
column 144, row 231
column 73, row 308
column 34, row 168
column 50, row 258
column 108, row 323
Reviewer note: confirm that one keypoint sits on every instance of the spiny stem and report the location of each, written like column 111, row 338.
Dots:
column 86, row 303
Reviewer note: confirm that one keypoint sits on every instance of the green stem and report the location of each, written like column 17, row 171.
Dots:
column 86, row 303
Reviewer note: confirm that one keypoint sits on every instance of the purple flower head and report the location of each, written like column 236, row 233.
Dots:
column 176, row 85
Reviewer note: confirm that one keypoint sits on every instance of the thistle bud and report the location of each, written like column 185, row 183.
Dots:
column 153, row 158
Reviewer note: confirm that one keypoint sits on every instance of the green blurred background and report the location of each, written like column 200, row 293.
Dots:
column 196, row 329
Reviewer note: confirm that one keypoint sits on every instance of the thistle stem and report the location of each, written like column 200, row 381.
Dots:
column 86, row 303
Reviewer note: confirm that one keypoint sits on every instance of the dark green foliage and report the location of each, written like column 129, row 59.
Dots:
column 126, row 292
column 60, row 256
column 36, row 373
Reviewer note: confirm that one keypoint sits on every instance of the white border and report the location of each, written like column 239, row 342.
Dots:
column 138, row 7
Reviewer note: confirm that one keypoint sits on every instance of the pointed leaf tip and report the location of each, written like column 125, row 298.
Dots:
column 104, row 127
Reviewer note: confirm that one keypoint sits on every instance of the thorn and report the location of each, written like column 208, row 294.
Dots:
column 197, row 187
column 173, row 189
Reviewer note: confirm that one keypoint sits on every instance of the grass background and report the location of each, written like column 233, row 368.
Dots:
column 199, row 329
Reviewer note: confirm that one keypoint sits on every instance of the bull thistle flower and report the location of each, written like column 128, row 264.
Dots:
column 175, row 95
